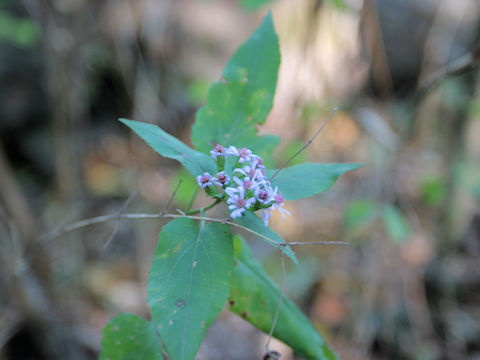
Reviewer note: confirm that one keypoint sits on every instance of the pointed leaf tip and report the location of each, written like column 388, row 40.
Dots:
column 243, row 97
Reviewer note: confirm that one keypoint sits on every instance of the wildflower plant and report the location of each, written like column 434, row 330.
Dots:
column 199, row 265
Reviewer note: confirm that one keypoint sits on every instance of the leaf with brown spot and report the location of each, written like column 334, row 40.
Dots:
column 255, row 297
column 129, row 337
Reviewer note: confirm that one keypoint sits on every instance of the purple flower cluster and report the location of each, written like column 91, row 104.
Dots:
column 249, row 188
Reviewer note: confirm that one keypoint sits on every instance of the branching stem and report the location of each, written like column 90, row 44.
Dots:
column 105, row 218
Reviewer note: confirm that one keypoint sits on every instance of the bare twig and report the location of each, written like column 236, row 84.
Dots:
column 306, row 144
column 104, row 218
column 296, row 243
column 117, row 223
column 194, row 195
column 454, row 68
column 270, row 353
column 165, row 209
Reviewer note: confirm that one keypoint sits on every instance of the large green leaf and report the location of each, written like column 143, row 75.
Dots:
column 129, row 337
column 254, row 296
column 308, row 179
column 253, row 222
column 169, row 146
column 243, row 97
column 189, row 282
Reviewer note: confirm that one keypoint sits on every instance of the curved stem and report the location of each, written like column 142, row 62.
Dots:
column 203, row 209
column 194, row 195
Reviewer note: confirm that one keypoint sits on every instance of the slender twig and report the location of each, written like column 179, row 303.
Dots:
column 306, row 144
column 454, row 68
column 104, row 218
column 165, row 209
column 296, row 243
column 277, row 312
column 190, row 203
column 117, row 223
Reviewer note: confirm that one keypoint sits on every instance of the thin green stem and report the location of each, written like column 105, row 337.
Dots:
column 203, row 209
column 194, row 195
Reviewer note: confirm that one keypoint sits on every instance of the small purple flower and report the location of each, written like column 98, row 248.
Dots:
column 266, row 215
column 277, row 205
column 237, row 201
column 204, row 180
column 231, row 151
column 231, row 191
column 244, row 154
column 263, row 196
column 257, row 162
column 251, row 172
column 221, row 179
column 246, row 183
column 218, row 150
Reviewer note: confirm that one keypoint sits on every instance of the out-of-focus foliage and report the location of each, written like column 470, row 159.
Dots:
column 396, row 225
column 21, row 32
column 359, row 212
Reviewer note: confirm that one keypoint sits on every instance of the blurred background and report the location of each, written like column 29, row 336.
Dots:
column 405, row 77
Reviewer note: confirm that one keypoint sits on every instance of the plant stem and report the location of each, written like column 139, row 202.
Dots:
column 189, row 206
column 203, row 209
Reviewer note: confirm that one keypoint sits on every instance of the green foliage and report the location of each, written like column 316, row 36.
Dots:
column 308, row 179
column 396, row 225
column 433, row 191
column 170, row 147
column 253, row 5
column 21, row 32
column 254, row 296
column 254, row 223
column 194, row 267
column 188, row 187
column 197, row 91
column 338, row 4
column 359, row 212
column 243, row 97
column 129, row 337
column 189, row 282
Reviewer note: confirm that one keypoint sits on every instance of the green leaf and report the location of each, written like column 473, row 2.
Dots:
column 359, row 212
column 254, row 296
column 308, row 179
column 189, row 282
column 252, row 5
column 169, row 146
column 243, row 97
column 253, row 222
column 129, row 337
column 433, row 191
column 396, row 225
column 20, row 32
